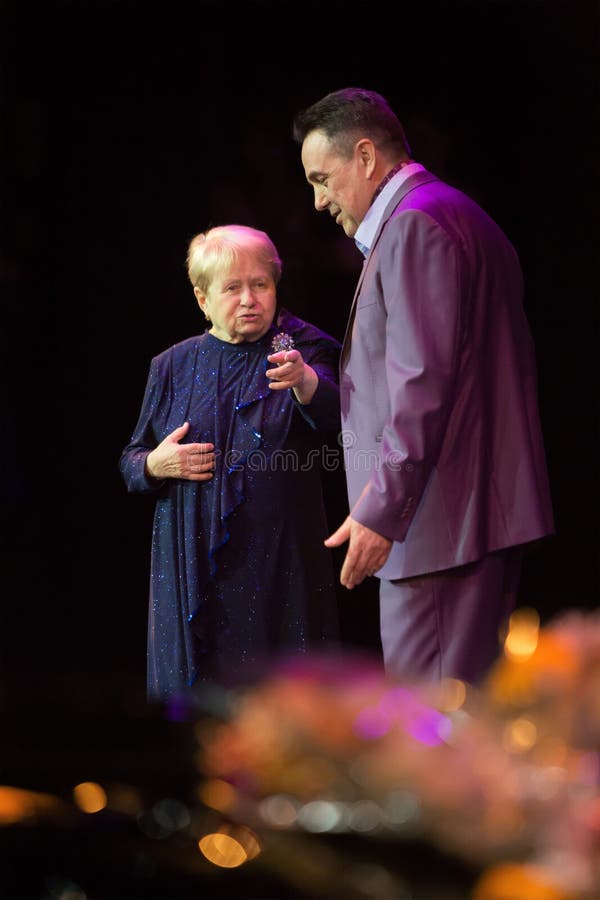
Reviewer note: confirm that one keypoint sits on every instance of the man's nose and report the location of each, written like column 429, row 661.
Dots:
column 321, row 201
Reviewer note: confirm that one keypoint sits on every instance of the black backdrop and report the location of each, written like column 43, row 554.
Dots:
column 127, row 129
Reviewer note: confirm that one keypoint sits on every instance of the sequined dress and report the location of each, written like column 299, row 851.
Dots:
column 239, row 574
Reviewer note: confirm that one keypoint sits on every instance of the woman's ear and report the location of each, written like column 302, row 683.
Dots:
column 201, row 298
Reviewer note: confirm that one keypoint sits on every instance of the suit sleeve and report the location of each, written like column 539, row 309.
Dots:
column 418, row 267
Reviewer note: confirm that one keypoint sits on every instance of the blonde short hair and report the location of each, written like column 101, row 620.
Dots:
column 216, row 250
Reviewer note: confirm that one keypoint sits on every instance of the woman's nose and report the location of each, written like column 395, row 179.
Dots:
column 247, row 297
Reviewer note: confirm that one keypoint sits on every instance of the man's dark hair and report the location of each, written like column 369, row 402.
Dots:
column 346, row 115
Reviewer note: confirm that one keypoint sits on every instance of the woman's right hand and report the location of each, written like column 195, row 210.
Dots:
column 170, row 459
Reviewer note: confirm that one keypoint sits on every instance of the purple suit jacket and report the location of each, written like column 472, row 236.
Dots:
column 442, row 439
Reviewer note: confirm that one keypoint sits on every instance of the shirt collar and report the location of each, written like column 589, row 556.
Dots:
column 366, row 231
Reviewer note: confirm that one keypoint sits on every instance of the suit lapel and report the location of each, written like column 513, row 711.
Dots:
column 405, row 188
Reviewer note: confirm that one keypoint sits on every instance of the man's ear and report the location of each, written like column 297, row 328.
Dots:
column 367, row 155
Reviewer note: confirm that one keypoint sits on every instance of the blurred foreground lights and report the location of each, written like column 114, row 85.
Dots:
column 402, row 807
column 217, row 794
column 322, row 815
column 372, row 723
column 18, row 805
column 362, row 816
column 523, row 633
column 229, row 847
column 400, row 708
column 592, row 815
column 171, row 814
column 124, row 799
column 544, row 784
column 588, row 769
column 452, row 695
column 166, row 817
column 536, row 666
column 278, row 811
column 431, row 728
column 520, row 736
column 504, row 775
column 90, row 797
column 514, row 881
column 365, row 816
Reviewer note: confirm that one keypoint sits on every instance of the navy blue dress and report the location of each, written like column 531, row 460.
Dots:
column 239, row 574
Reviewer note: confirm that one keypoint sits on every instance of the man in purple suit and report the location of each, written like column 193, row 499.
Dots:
column 445, row 464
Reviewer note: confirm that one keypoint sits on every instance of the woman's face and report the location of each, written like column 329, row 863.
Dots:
column 240, row 302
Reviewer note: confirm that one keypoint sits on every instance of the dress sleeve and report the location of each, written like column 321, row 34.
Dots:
column 323, row 411
column 132, row 461
column 321, row 351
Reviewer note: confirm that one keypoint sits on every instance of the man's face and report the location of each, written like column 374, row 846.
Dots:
column 340, row 184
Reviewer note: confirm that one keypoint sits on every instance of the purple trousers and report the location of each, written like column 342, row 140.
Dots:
column 449, row 624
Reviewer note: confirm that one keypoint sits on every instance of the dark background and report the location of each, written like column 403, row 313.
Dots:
column 127, row 129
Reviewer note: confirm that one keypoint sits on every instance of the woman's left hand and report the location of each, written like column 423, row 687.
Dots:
column 292, row 372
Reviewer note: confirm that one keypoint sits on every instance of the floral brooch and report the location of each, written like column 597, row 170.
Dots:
column 282, row 341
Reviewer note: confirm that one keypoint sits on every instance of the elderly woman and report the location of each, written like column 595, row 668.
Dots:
column 229, row 440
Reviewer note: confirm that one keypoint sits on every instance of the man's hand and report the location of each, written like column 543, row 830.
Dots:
column 367, row 551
